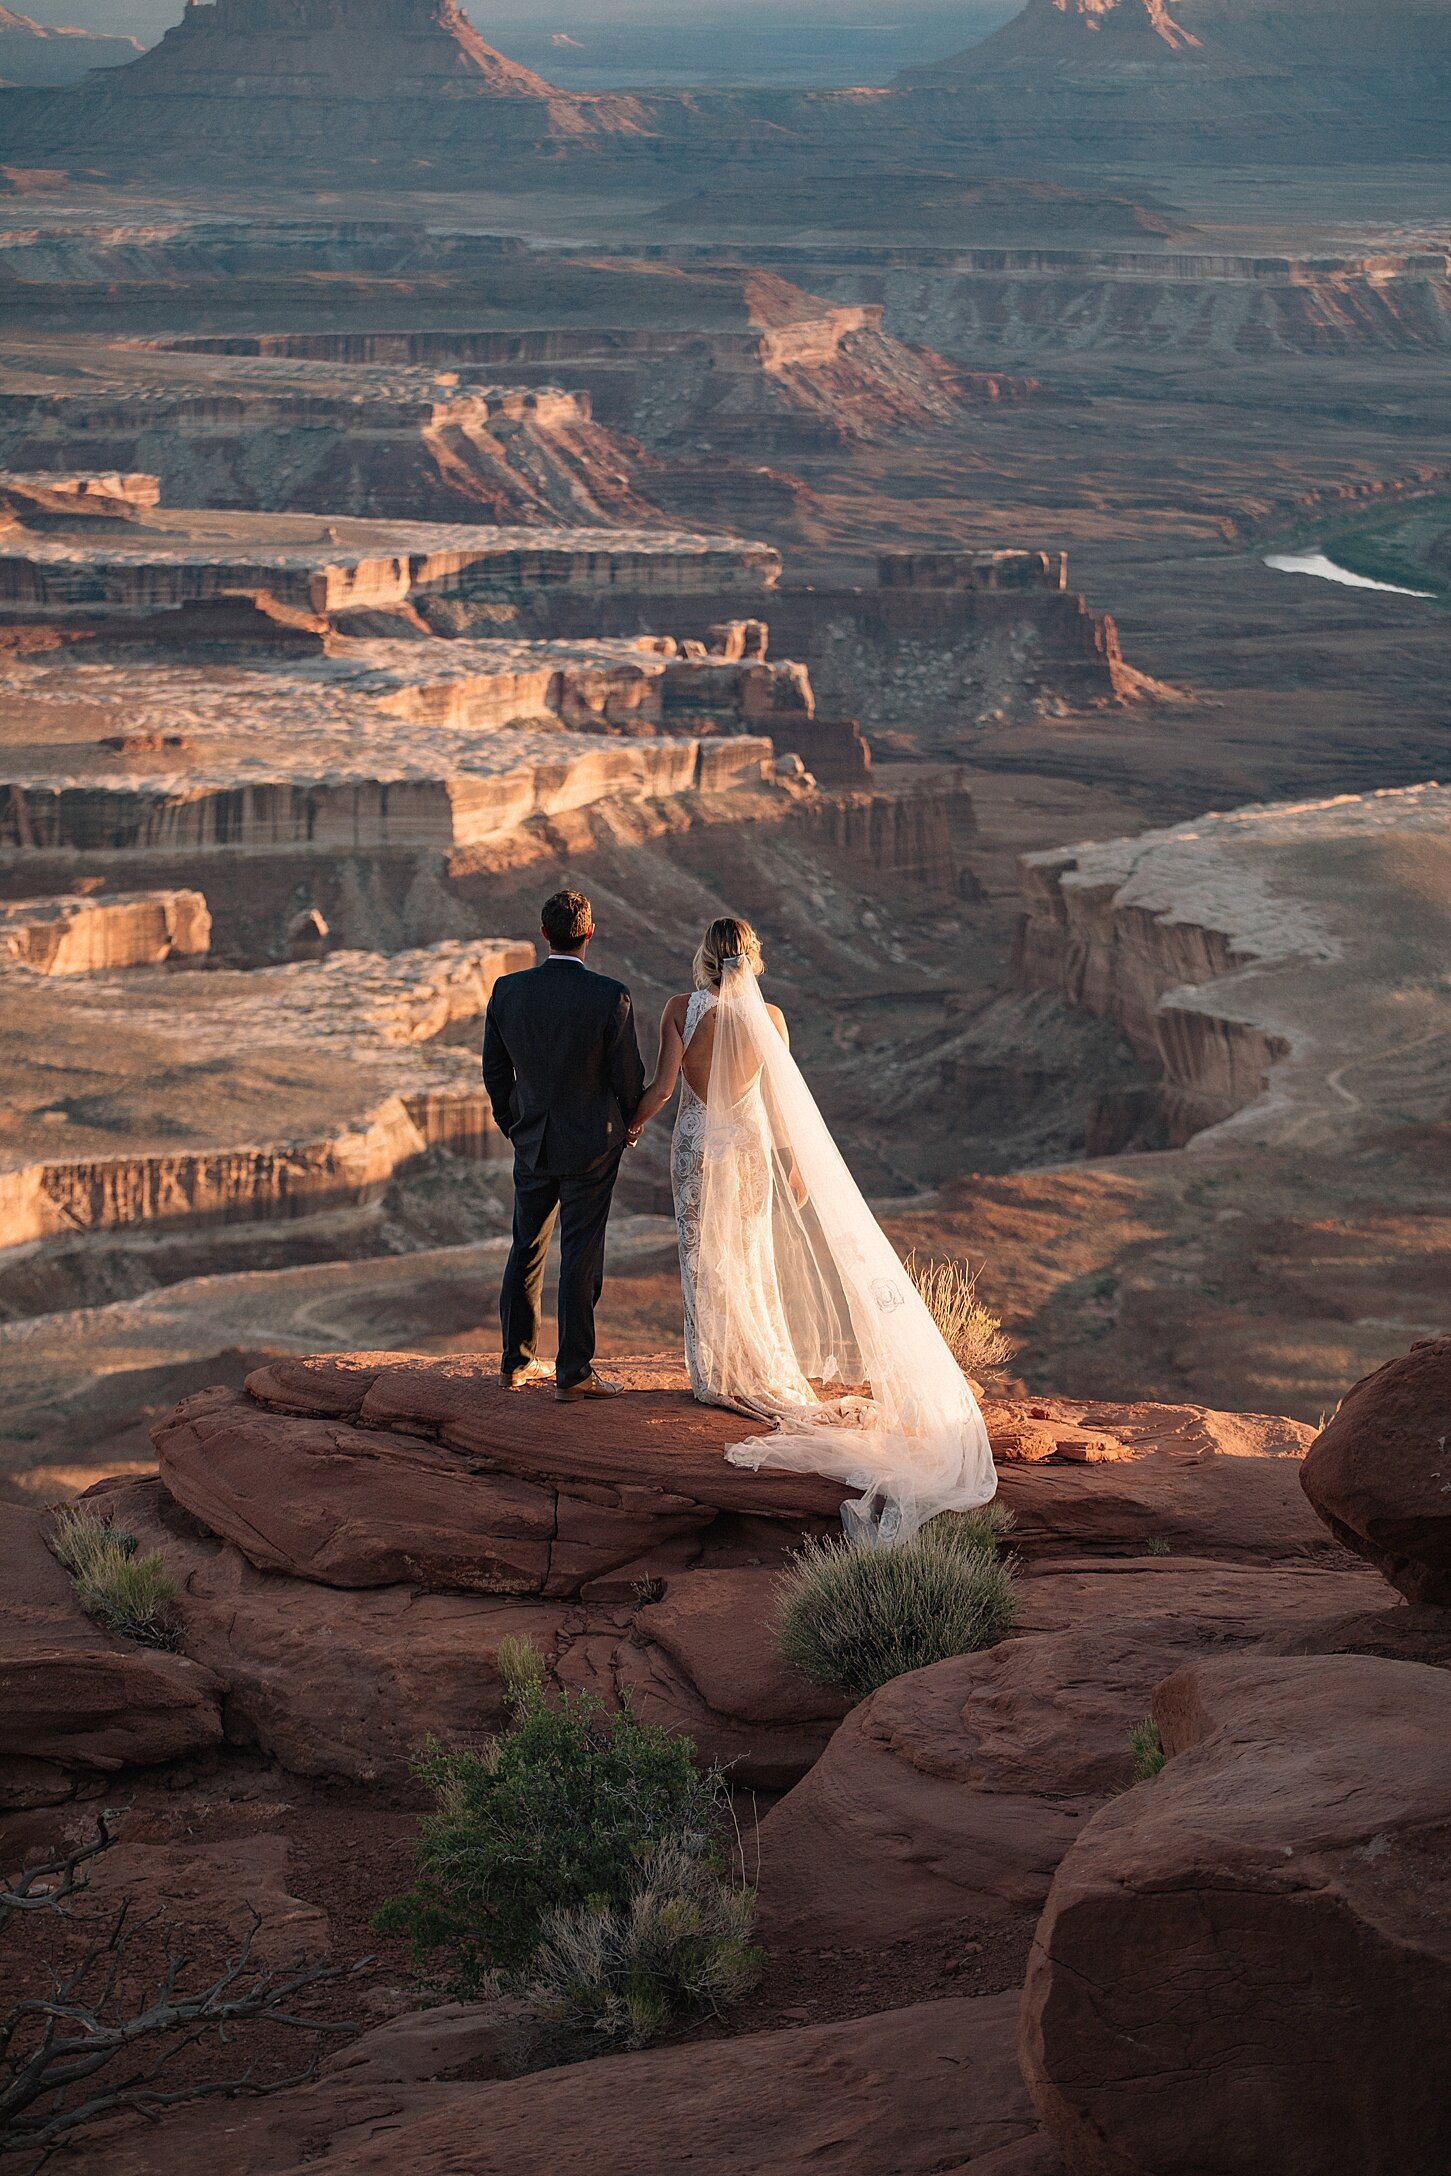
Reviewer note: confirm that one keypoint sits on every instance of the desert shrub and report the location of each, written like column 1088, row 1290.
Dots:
column 84, row 1541
column 561, row 1812
column 980, row 1530
column 1156, row 1546
column 855, row 1617
column 1147, row 1749
column 676, row 1949
column 972, row 1332
column 130, row 1594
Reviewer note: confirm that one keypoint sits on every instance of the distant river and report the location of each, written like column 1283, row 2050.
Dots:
column 1317, row 563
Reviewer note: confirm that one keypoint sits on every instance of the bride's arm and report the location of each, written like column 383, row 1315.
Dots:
column 661, row 1087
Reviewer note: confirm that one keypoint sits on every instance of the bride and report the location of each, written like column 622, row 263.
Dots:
column 797, row 1309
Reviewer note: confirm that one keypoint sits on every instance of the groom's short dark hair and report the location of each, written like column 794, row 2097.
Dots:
column 567, row 919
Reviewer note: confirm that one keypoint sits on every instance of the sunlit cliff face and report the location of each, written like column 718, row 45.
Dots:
column 1131, row 16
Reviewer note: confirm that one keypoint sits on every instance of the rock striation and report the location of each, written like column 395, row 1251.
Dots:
column 356, row 1534
column 359, row 439
column 478, row 1495
column 1258, row 1935
column 89, row 933
column 1027, row 302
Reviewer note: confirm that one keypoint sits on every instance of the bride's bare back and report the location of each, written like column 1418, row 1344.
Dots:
column 691, row 1058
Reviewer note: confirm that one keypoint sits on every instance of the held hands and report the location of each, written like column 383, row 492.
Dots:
column 633, row 1132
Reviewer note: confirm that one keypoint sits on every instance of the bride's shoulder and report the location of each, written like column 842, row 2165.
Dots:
column 675, row 1010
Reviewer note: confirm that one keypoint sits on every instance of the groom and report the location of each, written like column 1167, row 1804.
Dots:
column 563, row 1073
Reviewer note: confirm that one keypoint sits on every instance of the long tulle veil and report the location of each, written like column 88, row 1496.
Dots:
column 792, row 1258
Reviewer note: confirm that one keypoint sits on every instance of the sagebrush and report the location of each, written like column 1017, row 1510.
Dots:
column 856, row 1617
column 566, row 1811
column 130, row 1594
column 972, row 1333
column 679, row 1948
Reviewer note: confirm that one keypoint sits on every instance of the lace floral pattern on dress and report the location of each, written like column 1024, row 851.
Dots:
column 779, row 1385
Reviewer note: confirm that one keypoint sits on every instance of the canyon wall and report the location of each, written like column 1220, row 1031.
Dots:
column 1023, row 301
column 352, row 815
column 83, row 935
column 1124, row 960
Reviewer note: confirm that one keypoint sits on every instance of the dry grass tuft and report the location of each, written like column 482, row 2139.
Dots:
column 133, row 1595
column 973, row 1334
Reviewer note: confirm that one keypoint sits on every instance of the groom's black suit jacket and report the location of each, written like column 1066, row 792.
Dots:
column 562, row 1066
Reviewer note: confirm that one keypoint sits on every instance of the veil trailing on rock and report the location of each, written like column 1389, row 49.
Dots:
column 804, row 1314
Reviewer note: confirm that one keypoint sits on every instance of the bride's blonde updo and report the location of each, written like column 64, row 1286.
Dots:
column 726, row 939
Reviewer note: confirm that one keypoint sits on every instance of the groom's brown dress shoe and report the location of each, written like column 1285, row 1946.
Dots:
column 589, row 1386
column 533, row 1371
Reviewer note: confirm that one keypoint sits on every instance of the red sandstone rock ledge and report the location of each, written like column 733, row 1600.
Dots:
column 361, row 1470
column 356, row 1535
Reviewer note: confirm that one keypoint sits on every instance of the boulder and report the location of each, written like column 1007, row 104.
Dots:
column 911, row 2092
column 76, row 1702
column 338, row 1683
column 1380, row 1473
column 494, row 2039
column 357, row 1471
column 956, row 1790
column 704, row 1660
column 355, row 1507
column 1247, row 1960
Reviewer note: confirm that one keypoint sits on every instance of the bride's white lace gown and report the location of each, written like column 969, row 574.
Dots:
column 777, row 1380
column 797, row 1309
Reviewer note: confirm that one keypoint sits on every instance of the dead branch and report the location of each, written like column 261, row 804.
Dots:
column 49, row 1884
column 54, row 2042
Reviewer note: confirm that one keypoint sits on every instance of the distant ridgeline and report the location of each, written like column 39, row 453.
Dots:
column 400, row 85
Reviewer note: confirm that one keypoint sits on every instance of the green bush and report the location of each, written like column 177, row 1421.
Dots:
column 679, row 1948
column 561, row 1812
column 855, row 1617
column 1147, row 1748
column 130, row 1594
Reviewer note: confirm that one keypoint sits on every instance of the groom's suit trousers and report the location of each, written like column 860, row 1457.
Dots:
column 581, row 1202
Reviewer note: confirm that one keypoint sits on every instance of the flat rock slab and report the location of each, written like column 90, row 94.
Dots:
column 77, row 1703
column 226, row 1884
column 361, row 1473
column 1200, row 1483
column 1252, row 1951
column 911, row 2092
column 338, row 1683
column 1238, row 1602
